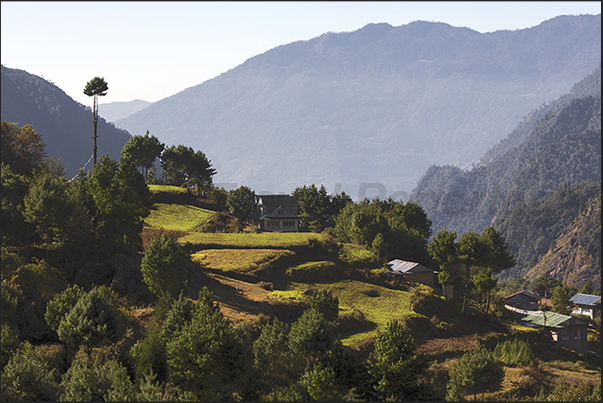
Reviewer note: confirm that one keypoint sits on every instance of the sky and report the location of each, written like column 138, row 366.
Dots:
column 152, row 50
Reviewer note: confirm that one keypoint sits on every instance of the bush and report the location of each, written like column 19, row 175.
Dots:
column 92, row 380
column 515, row 352
column 28, row 377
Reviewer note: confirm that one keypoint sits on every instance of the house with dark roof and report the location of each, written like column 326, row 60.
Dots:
column 585, row 304
column 566, row 331
column 276, row 213
column 523, row 300
column 412, row 272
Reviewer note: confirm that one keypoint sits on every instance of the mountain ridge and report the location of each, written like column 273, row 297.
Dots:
column 375, row 106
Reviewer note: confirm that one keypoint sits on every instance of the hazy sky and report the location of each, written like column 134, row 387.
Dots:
column 151, row 50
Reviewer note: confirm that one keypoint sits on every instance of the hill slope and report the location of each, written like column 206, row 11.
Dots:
column 575, row 257
column 65, row 125
column 378, row 105
column 564, row 146
column 113, row 111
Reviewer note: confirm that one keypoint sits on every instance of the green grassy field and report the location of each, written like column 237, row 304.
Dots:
column 166, row 189
column 245, row 240
column 176, row 217
column 378, row 304
column 239, row 260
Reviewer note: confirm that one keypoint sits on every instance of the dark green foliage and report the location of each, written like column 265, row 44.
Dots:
column 9, row 345
column 182, row 166
column 241, row 202
column 316, row 208
column 206, row 356
column 325, row 303
column 55, row 212
column 274, row 362
column 93, row 380
column 61, row 304
column 515, row 352
column 94, row 321
column 395, row 369
column 404, row 228
column 14, row 187
column 311, row 336
column 322, row 384
column 31, row 287
column 560, row 299
column 148, row 355
column 165, row 266
column 475, row 372
column 27, row 377
column 143, row 150
column 121, row 198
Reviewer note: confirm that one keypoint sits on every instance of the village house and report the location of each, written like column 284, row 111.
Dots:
column 276, row 213
column 566, row 331
column 522, row 301
column 587, row 305
column 412, row 272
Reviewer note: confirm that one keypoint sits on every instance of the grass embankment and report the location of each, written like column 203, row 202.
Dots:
column 175, row 217
column 265, row 240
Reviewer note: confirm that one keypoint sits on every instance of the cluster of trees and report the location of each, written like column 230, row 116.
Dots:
column 470, row 263
column 190, row 351
column 180, row 165
column 392, row 229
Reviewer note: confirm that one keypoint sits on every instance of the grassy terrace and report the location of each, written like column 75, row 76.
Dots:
column 378, row 304
column 239, row 260
column 176, row 217
column 269, row 240
column 167, row 189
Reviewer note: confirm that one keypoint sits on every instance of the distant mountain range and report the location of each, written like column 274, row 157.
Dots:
column 539, row 186
column 377, row 106
column 66, row 126
column 113, row 111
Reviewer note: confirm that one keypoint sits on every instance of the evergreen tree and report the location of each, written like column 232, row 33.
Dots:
column 475, row 372
column 165, row 266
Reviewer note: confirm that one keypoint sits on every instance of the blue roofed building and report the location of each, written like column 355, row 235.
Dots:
column 587, row 305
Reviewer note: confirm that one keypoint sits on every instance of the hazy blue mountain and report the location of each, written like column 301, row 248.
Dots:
column 113, row 111
column 532, row 186
column 66, row 126
column 378, row 105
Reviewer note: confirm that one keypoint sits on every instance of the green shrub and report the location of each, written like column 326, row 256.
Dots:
column 514, row 352
column 28, row 377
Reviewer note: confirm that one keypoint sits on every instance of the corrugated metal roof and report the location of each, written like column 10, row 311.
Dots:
column 553, row 319
column 585, row 299
column 401, row 265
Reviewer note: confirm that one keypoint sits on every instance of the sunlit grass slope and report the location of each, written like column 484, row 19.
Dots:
column 239, row 260
column 176, row 217
column 245, row 240
column 167, row 189
column 378, row 304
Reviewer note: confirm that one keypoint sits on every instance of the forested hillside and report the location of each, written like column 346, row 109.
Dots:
column 66, row 126
column 378, row 105
column 575, row 256
column 520, row 190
